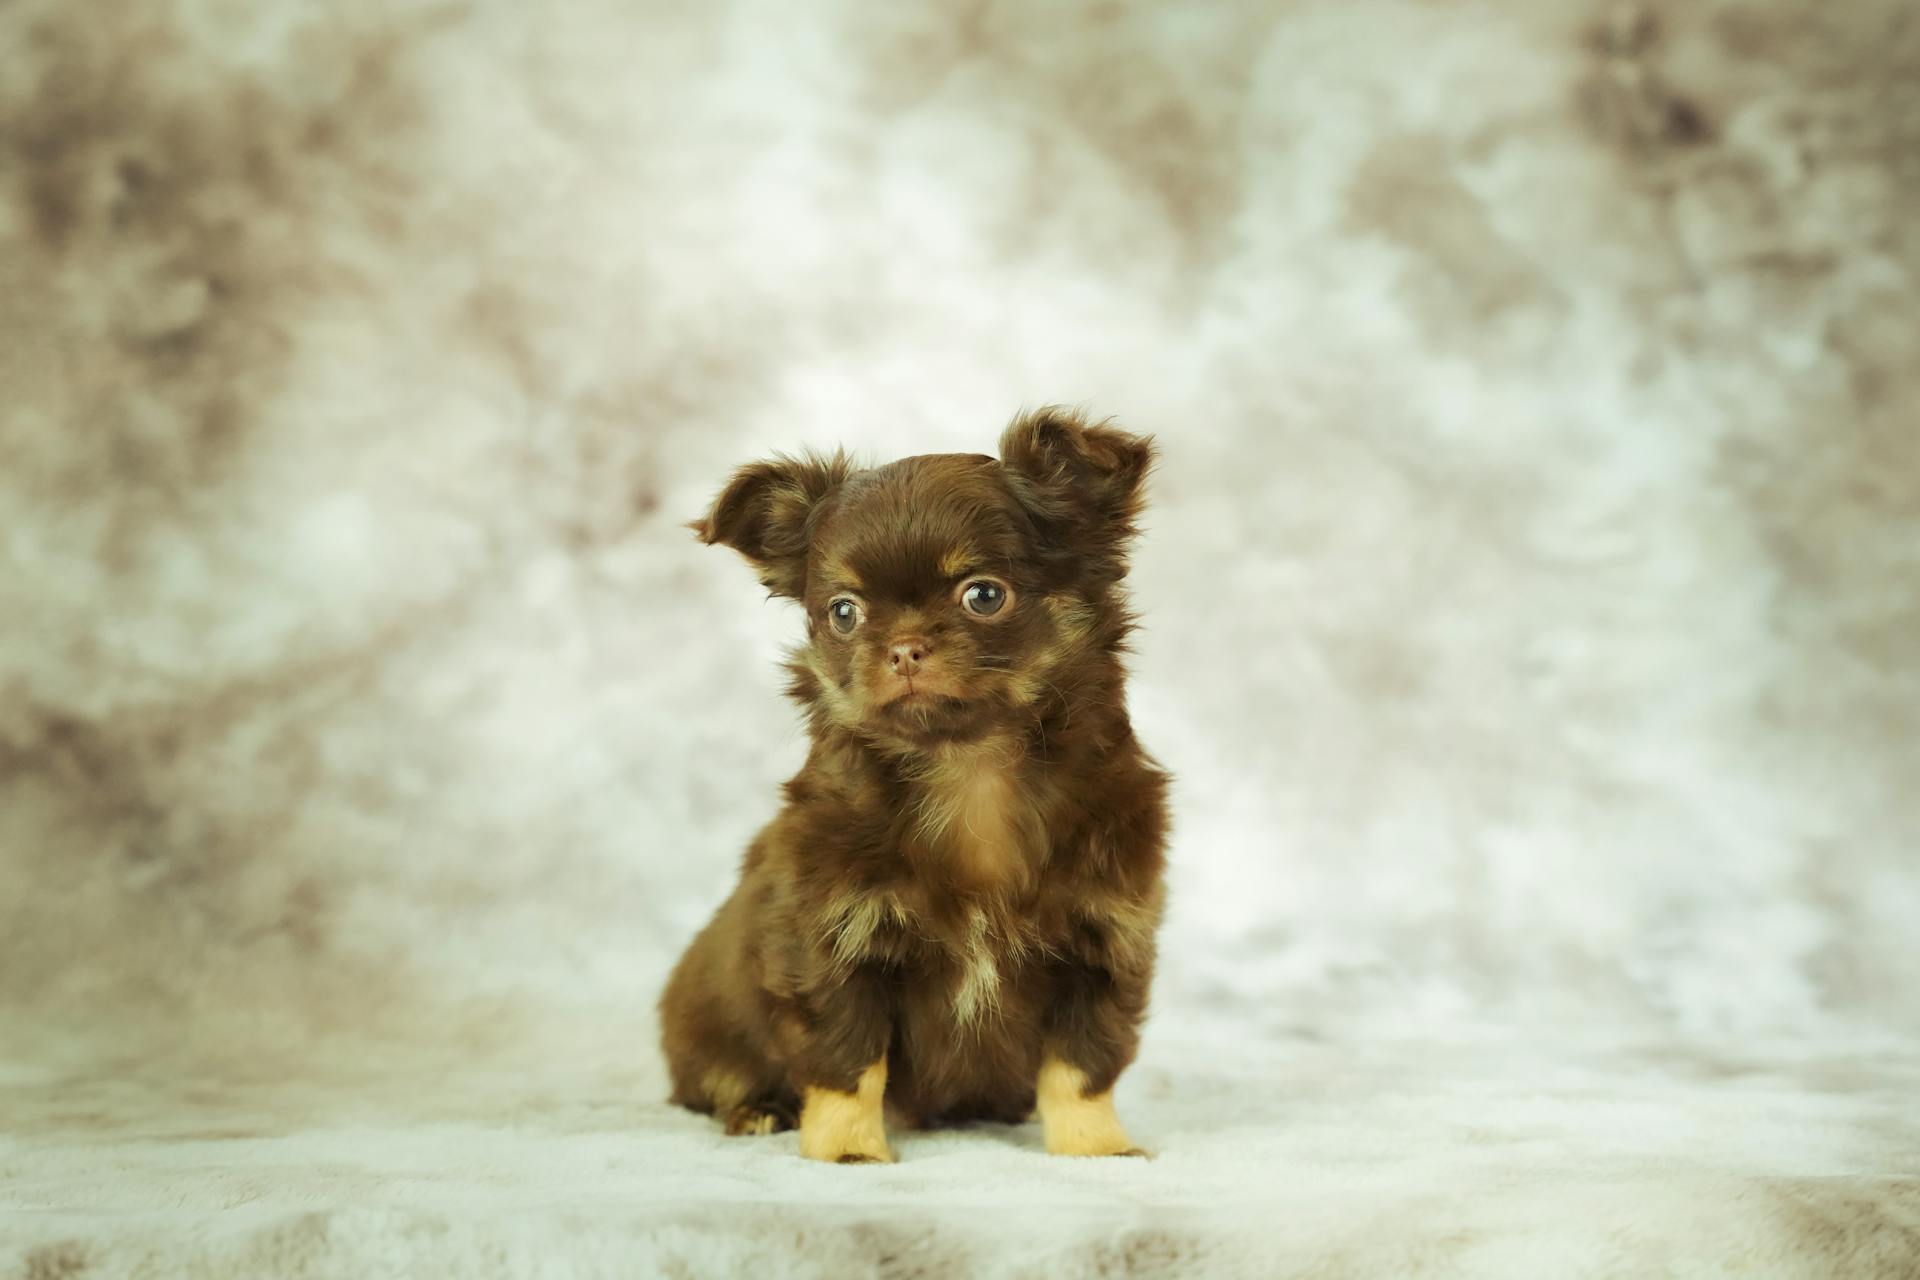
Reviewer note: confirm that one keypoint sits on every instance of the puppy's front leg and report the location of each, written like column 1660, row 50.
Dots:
column 1093, row 1034
column 840, row 1065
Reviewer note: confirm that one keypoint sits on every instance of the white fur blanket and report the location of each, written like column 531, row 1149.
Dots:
column 1512, row 1156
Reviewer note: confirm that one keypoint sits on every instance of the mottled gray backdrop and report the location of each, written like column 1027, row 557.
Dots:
column 1532, row 588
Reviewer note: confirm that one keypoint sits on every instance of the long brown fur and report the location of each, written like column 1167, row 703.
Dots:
column 963, row 887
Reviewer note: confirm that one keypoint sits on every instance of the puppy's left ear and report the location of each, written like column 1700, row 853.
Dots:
column 1082, row 483
column 767, row 513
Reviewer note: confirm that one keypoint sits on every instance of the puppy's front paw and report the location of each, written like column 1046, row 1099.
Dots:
column 836, row 1141
column 1075, row 1122
column 846, row 1128
column 1117, row 1145
column 1090, row 1135
column 885, row 1156
column 845, row 1146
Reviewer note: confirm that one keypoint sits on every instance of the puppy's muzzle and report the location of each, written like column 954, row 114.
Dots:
column 904, row 656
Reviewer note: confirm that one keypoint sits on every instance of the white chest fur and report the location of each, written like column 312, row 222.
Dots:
column 978, row 993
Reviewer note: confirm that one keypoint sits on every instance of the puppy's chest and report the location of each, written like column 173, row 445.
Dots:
column 969, row 958
column 974, row 826
column 961, row 923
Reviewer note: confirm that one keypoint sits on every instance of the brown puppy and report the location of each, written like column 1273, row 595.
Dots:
column 954, row 912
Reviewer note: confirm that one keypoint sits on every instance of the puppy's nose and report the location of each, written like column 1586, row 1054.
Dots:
column 905, row 656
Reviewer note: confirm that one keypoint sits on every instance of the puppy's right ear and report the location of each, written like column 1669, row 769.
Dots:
column 767, row 512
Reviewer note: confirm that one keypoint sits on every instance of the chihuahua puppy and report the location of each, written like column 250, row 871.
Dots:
column 952, row 917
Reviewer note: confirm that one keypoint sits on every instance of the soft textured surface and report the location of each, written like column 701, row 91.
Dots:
column 1277, row 1154
column 1529, row 591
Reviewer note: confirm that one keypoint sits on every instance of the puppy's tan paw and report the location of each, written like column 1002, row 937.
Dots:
column 847, row 1146
column 1098, row 1140
column 847, row 1128
column 1077, row 1123
column 1119, row 1148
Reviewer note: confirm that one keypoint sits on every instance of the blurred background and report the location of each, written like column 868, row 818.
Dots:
column 1531, row 587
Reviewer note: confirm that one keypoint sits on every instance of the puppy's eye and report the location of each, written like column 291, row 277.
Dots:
column 844, row 614
column 984, row 597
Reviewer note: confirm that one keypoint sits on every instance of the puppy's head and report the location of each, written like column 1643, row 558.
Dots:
column 952, row 594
